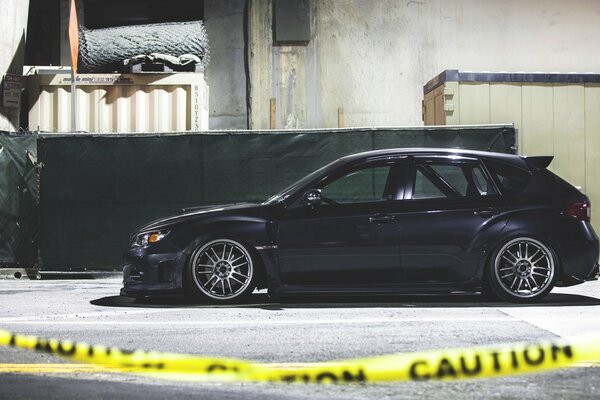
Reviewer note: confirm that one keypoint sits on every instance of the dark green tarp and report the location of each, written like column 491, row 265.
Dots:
column 18, row 200
column 97, row 189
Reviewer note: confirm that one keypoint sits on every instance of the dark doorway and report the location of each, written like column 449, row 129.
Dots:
column 109, row 13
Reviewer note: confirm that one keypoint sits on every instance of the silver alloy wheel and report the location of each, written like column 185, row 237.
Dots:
column 222, row 269
column 524, row 267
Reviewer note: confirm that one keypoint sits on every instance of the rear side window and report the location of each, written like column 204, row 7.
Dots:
column 450, row 179
column 512, row 180
column 453, row 175
column 424, row 187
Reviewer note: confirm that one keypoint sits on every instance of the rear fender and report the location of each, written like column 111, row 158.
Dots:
column 484, row 242
column 525, row 225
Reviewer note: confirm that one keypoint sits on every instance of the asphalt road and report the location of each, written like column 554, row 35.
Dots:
column 282, row 331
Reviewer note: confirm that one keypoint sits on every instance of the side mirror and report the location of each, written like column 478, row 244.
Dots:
column 312, row 198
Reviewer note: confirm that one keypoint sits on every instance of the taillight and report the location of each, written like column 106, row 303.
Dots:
column 581, row 211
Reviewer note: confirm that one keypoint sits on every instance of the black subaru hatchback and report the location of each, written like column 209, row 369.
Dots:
column 398, row 221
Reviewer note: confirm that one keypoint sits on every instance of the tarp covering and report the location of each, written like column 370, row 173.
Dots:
column 96, row 190
column 104, row 50
column 18, row 200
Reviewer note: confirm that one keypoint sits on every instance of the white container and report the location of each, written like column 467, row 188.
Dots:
column 119, row 103
column 555, row 114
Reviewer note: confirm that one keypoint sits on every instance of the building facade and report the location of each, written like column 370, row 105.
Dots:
column 358, row 63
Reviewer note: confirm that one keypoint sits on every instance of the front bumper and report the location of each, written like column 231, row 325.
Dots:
column 151, row 274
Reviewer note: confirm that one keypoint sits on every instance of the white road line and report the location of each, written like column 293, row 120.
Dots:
column 255, row 322
column 97, row 314
column 563, row 322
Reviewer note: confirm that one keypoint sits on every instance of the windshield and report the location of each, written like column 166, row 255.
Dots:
column 285, row 193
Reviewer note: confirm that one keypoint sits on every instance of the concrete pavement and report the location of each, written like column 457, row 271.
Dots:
column 281, row 331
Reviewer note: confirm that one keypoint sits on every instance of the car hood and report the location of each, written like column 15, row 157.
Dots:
column 196, row 212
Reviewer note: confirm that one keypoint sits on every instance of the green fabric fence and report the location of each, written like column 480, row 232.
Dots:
column 18, row 200
column 95, row 190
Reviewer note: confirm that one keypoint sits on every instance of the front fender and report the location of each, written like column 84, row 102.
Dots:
column 251, row 232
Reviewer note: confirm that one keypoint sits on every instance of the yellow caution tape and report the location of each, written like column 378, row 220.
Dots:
column 474, row 362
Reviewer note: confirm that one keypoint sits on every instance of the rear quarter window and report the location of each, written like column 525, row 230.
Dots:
column 512, row 180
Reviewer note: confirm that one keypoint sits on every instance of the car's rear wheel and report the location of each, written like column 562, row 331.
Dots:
column 221, row 270
column 522, row 269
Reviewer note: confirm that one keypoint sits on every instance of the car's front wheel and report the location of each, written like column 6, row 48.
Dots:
column 221, row 270
column 522, row 269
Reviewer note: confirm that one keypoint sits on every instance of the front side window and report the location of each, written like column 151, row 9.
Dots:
column 362, row 185
column 440, row 179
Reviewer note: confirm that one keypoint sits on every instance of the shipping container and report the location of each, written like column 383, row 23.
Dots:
column 123, row 103
column 555, row 114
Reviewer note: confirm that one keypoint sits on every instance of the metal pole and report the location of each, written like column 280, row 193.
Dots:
column 74, row 45
column 273, row 114
column 73, row 102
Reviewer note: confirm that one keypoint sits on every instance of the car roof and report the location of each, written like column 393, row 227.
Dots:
column 509, row 158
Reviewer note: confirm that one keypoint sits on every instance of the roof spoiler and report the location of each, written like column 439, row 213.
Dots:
column 538, row 162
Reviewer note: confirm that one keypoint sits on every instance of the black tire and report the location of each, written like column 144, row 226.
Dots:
column 221, row 271
column 522, row 269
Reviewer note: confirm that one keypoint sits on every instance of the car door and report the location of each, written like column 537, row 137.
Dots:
column 450, row 216
column 350, row 239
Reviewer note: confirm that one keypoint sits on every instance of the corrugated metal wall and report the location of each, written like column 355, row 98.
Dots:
column 123, row 103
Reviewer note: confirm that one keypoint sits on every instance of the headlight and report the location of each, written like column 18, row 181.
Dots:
column 146, row 238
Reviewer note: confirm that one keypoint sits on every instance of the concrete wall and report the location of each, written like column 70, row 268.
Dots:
column 13, row 25
column 225, row 73
column 371, row 58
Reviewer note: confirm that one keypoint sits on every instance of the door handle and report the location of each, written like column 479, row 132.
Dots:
column 381, row 218
column 486, row 213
